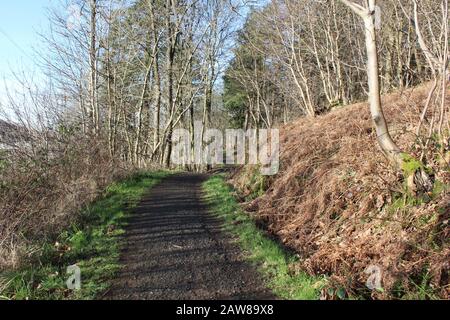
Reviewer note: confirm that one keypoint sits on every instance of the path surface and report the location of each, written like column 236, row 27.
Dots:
column 175, row 249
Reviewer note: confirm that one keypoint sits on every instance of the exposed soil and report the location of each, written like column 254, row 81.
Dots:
column 175, row 249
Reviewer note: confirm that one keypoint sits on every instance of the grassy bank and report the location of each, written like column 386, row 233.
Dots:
column 92, row 244
column 272, row 261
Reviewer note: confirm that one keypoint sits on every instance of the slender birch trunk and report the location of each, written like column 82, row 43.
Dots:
column 414, row 171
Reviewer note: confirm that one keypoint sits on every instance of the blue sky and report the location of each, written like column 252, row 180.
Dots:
column 20, row 20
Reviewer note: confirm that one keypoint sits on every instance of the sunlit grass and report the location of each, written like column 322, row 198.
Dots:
column 271, row 259
column 93, row 244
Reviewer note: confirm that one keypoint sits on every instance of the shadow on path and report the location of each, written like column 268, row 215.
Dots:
column 174, row 249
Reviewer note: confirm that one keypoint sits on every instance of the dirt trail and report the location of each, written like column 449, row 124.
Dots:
column 175, row 249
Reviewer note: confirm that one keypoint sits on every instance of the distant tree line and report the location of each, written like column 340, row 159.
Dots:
column 132, row 71
column 301, row 57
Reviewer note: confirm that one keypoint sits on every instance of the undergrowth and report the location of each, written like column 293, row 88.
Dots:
column 254, row 184
column 273, row 262
column 92, row 244
column 340, row 204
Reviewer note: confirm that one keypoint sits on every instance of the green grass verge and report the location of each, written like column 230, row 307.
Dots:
column 93, row 244
column 272, row 261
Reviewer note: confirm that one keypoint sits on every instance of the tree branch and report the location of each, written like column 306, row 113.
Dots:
column 433, row 60
column 358, row 9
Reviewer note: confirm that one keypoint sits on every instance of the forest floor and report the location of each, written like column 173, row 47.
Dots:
column 174, row 248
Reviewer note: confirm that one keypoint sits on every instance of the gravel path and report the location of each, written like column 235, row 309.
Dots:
column 175, row 249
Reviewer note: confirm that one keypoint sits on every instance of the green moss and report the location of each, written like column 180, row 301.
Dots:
column 410, row 165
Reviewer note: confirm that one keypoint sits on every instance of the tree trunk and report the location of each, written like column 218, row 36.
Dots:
column 414, row 171
column 93, row 67
column 157, row 112
column 388, row 146
column 170, row 61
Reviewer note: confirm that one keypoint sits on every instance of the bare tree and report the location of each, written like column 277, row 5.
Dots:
column 93, row 63
column 437, row 56
column 387, row 144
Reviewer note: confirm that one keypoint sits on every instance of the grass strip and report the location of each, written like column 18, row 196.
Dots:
column 92, row 244
column 272, row 261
